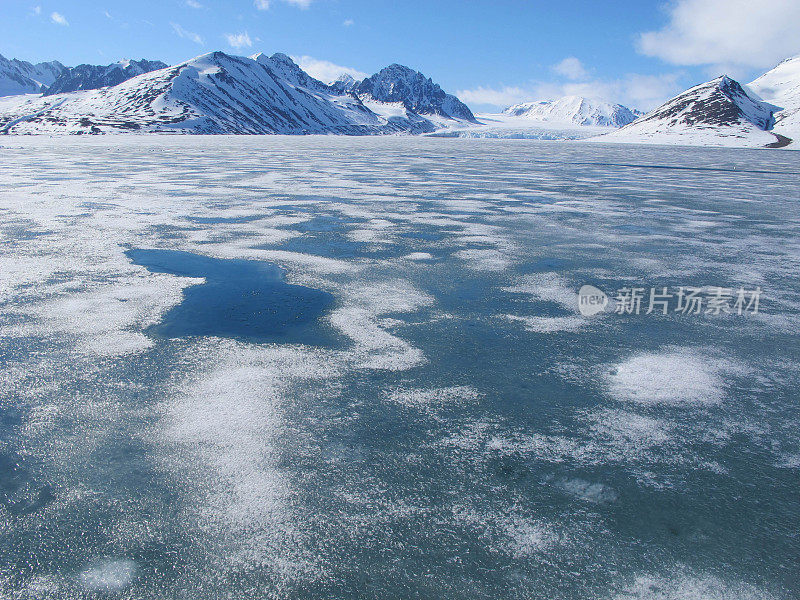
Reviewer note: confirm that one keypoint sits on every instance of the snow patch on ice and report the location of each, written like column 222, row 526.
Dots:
column 548, row 324
column 676, row 377
column 432, row 398
column 108, row 575
column 685, row 586
column 597, row 493
column 484, row 259
column 419, row 256
column 550, row 287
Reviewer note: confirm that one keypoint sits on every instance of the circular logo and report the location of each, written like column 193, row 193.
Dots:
column 591, row 300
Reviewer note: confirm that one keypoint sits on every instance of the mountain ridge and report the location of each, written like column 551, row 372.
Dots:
column 217, row 93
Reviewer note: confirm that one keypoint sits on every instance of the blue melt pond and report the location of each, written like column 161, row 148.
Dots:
column 241, row 299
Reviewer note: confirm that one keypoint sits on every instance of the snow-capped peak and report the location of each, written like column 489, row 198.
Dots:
column 575, row 110
column 345, row 83
column 719, row 112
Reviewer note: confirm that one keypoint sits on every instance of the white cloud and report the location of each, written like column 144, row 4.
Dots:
column 188, row 35
column 571, row 68
column 239, row 40
column 264, row 4
column 108, row 15
column 348, row 22
column 58, row 19
column 632, row 90
column 726, row 32
column 36, row 10
column 324, row 70
column 193, row 4
column 502, row 97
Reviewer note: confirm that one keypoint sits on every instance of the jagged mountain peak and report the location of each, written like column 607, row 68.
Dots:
column 280, row 57
column 722, row 101
column 275, row 59
column 416, row 92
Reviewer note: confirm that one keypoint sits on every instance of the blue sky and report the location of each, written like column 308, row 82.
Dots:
column 491, row 53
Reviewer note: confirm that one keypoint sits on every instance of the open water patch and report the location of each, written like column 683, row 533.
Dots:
column 240, row 299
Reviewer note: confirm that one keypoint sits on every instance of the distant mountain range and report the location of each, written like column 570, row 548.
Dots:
column 20, row 77
column 49, row 78
column 92, row 77
column 575, row 110
column 217, row 93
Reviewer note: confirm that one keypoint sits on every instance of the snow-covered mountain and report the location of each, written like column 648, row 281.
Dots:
column 21, row 77
column 575, row 110
column 781, row 86
column 345, row 83
column 92, row 77
column 286, row 69
column 397, row 84
column 716, row 113
column 218, row 93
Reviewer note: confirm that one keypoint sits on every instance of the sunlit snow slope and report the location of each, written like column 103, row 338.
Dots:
column 781, row 86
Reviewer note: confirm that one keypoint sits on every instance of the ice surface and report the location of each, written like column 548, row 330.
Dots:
column 468, row 434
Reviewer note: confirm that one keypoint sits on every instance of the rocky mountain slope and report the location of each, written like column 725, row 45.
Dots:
column 716, row 113
column 399, row 84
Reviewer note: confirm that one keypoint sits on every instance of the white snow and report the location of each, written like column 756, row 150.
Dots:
column 781, row 86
